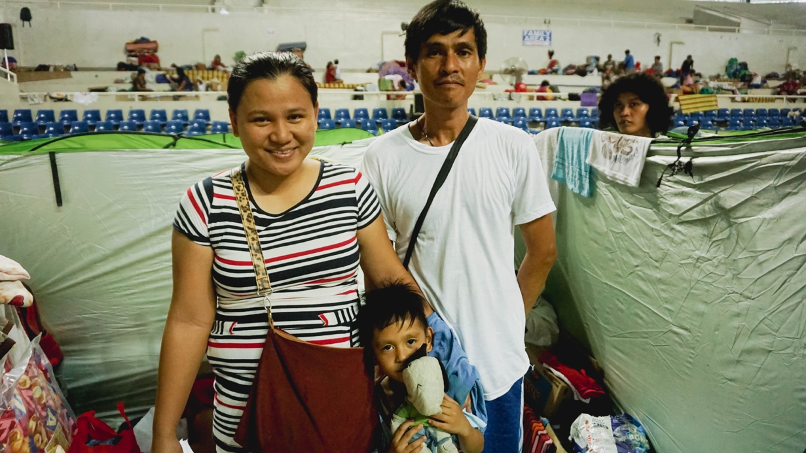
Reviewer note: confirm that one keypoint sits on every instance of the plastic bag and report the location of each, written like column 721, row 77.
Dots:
column 34, row 416
column 541, row 325
column 94, row 435
column 620, row 433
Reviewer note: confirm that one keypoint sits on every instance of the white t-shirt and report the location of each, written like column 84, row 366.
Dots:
column 465, row 250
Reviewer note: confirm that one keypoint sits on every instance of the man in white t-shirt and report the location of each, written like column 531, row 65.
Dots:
column 464, row 252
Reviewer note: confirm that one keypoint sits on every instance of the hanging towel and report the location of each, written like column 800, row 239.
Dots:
column 570, row 166
column 618, row 156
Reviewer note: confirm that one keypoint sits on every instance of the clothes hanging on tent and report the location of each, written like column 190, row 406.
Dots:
column 570, row 163
column 618, row 156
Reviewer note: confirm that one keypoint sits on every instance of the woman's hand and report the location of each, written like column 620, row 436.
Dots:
column 451, row 420
column 166, row 444
column 400, row 441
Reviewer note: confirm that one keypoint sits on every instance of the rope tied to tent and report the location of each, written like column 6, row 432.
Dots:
column 677, row 166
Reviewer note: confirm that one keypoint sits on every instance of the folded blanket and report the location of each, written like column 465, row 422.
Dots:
column 11, row 270
column 15, row 294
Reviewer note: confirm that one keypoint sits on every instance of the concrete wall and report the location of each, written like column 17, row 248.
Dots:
column 356, row 32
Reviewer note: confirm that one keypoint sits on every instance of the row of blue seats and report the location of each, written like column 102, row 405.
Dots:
column 360, row 113
column 32, row 130
column 727, row 114
column 738, row 123
column 93, row 116
column 536, row 114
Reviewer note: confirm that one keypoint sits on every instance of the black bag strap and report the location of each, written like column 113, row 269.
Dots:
column 441, row 176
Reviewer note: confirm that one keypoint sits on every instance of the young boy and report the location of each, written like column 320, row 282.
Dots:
column 392, row 327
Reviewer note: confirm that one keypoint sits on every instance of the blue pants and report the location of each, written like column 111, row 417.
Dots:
column 504, row 431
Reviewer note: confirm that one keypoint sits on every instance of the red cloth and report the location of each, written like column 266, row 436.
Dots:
column 330, row 75
column 89, row 428
column 585, row 386
column 147, row 58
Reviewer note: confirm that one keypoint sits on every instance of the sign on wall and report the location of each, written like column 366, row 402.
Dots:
column 537, row 37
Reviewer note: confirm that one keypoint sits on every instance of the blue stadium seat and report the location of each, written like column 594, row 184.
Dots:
column 399, row 115
column 45, row 116
column 342, row 114
column 749, row 112
column 486, row 112
column 736, row 113
column 536, row 114
column 472, row 111
column 127, row 125
column 114, row 116
column 505, row 120
column 774, row 122
column 368, row 125
column 761, row 122
column 197, row 128
column 552, row 122
column 68, row 116
column 707, row 124
column 519, row 112
column 360, row 113
column 203, row 115
column 379, row 113
column 388, row 124
column 722, row 115
column 785, row 111
column 78, row 127
column 6, row 129
column 787, row 122
column 761, row 112
column 28, row 130
column 775, row 113
column 551, row 113
column 567, row 115
column 503, row 112
column 138, row 116
column 175, row 126
column 180, row 115
column 158, row 115
column 4, row 116
column 91, row 116
column 21, row 116
column 710, row 114
column 104, row 126
column 326, row 124
column 347, row 123
column 152, row 125
column 696, row 116
column 222, row 127
column 585, row 122
column 678, row 122
column 582, row 112
column 324, row 114
column 520, row 123
column 53, row 129
column 595, row 114
column 735, row 124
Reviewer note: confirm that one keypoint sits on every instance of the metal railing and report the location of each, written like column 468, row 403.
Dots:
column 502, row 18
column 8, row 75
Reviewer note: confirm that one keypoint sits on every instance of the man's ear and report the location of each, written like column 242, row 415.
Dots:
column 234, row 121
column 429, row 339
column 481, row 68
column 411, row 68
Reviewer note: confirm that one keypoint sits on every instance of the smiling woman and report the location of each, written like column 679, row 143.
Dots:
column 316, row 223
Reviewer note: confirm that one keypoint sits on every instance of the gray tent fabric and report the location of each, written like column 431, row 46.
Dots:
column 690, row 295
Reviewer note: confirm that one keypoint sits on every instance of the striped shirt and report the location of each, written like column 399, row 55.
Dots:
column 311, row 255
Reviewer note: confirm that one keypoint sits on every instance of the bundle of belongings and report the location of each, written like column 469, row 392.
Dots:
column 34, row 415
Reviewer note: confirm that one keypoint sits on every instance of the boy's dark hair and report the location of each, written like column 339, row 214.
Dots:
column 649, row 90
column 444, row 17
column 391, row 303
column 268, row 65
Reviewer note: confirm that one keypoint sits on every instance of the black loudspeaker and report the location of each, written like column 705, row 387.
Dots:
column 419, row 107
column 6, row 38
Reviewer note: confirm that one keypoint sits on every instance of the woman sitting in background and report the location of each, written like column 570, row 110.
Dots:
column 636, row 105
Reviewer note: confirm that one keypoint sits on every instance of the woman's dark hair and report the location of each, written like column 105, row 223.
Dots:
column 268, row 65
column 545, row 83
column 180, row 73
column 444, row 17
column 394, row 302
column 649, row 90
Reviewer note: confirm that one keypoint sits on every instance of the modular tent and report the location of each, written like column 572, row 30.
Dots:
column 690, row 294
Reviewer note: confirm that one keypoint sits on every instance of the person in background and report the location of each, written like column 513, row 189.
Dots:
column 657, row 67
column 139, row 81
column 553, row 66
column 217, row 65
column 544, row 88
column 9, row 63
column 629, row 62
column 180, row 81
column 687, row 67
column 330, row 73
column 464, row 257
column 609, row 65
column 791, row 86
column 635, row 105
column 338, row 69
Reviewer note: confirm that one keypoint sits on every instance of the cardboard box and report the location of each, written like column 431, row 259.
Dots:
column 543, row 392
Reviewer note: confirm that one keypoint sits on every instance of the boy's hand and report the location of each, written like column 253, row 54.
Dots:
column 400, row 440
column 451, row 420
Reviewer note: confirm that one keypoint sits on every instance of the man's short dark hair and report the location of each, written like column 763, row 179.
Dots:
column 391, row 303
column 627, row 51
column 649, row 90
column 444, row 17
